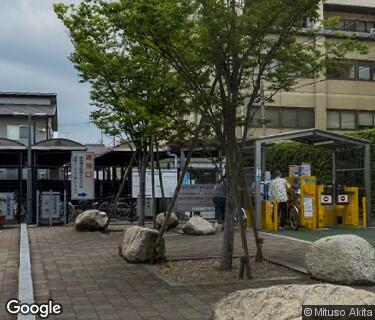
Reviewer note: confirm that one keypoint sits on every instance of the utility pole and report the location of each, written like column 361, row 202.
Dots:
column 262, row 108
column 29, row 206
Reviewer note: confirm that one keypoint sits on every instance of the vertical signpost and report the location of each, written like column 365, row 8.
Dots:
column 82, row 179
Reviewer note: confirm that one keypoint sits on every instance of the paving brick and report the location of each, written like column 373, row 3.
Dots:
column 82, row 270
column 9, row 259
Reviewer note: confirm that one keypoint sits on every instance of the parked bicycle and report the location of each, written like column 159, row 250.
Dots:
column 293, row 215
column 292, row 212
column 126, row 208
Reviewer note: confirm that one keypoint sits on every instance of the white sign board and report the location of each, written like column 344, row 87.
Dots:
column 82, row 179
column 169, row 183
column 50, row 205
column 308, row 207
column 7, row 204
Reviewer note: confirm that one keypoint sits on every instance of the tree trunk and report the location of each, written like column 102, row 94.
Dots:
column 160, row 176
column 234, row 183
column 152, row 182
column 258, row 240
column 231, row 153
column 141, row 203
column 227, row 251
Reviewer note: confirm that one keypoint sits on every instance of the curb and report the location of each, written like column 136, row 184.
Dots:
column 25, row 281
column 284, row 237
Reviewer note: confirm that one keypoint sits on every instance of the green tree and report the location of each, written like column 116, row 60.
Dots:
column 233, row 45
column 137, row 96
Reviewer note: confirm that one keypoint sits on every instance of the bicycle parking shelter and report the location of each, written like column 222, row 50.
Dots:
column 49, row 170
column 52, row 156
column 314, row 137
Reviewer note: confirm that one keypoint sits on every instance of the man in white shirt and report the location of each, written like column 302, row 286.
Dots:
column 279, row 193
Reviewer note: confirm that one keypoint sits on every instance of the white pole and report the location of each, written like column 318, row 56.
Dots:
column 29, row 213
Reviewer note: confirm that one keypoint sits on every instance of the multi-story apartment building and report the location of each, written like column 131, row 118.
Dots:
column 15, row 107
column 342, row 100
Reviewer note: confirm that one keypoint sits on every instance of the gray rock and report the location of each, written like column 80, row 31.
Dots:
column 138, row 245
column 172, row 222
column 285, row 301
column 345, row 259
column 91, row 220
column 198, row 226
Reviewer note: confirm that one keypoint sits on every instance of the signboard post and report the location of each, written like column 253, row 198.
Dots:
column 82, row 179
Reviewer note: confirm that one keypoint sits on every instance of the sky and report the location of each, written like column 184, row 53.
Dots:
column 34, row 57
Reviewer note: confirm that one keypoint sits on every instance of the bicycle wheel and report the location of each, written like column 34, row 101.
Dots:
column 293, row 217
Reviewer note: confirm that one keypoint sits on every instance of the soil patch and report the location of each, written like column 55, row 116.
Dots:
column 208, row 270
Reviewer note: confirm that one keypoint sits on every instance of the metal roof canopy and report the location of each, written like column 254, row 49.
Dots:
column 11, row 153
column 59, row 144
column 55, row 152
column 314, row 137
column 8, row 144
column 120, row 156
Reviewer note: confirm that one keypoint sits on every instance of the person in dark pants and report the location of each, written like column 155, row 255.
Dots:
column 279, row 193
column 219, row 200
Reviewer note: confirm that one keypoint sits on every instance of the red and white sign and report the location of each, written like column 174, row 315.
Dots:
column 326, row 199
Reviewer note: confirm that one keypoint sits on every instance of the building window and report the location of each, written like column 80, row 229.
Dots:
column 350, row 119
column 333, row 120
column 273, row 117
column 342, row 70
column 289, row 118
column 364, row 70
column 354, row 25
column 15, row 132
column 306, row 118
column 285, row 117
column 347, row 120
column 365, row 120
column 341, row 119
column 351, row 70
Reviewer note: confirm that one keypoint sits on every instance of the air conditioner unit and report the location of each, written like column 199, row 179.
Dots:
column 372, row 30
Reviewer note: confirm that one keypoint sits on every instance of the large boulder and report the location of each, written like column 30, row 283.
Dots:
column 91, row 220
column 172, row 222
column 138, row 245
column 345, row 259
column 198, row 226
column 285, row 301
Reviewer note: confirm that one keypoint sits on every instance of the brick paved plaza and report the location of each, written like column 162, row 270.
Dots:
column 83, row 272
column 9, row 256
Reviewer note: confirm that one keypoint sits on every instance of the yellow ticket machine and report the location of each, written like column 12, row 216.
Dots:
column 342, row 211
column 304, row 196
column 308, row 209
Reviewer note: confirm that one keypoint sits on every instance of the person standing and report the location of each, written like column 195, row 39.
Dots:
column 219, row 200
column 279, row 193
